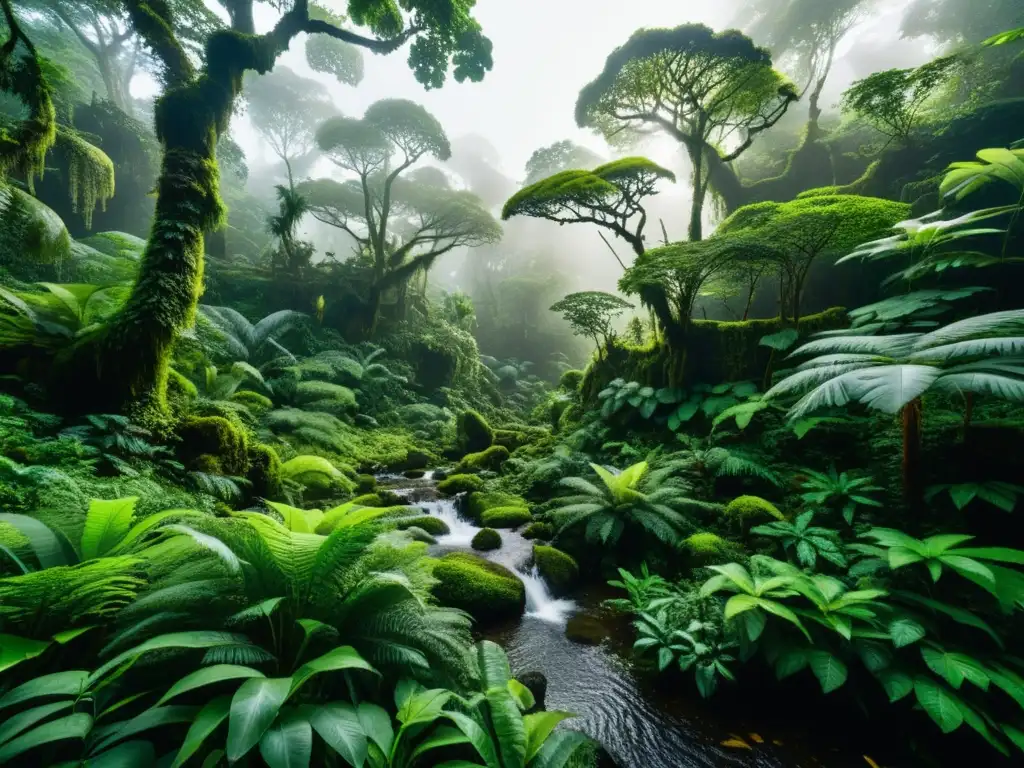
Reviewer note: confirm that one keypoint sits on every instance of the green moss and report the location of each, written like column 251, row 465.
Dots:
column 485, row 590
column 455, row 484
column 558, row 569
column 473, row 432
column 366, row 483
column 215, row 436
column 369, row 500
column 490, row 459
column 506, row 517
column 486, row 539
column 539, row 530
column 264, row 471
column 510, row 438
column 318, row 476
column 435, row 526
column 745, row 508
column 571, row 380
column 254, row 401
column 478, row 503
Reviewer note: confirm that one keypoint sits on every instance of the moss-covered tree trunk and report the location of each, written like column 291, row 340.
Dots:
column 125, row 363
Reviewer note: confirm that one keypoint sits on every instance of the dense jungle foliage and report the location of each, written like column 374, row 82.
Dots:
column 235, row 392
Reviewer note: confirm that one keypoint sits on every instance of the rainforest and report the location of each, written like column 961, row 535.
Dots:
column 492, row 384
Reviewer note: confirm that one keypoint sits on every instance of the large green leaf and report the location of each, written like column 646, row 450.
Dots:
column 288, row 743
column 254, row 708
column 830, row 671
column 173, row 640
column 507, row 722
column 14, row 650
column 76, row 726
column 208, row 676
column 339, row 725
column 206, row 722
column 376, row 723
column 897, row 684
column 46, row 544
column 905, row 631
column 12, row 726
column 106, row 523
column 538, row 727
column 522, row 695
column 443, row 736
column 559, row 749
column 144, row 721
column 342, row 657
column 478, row 737
column 939, row 703
column 69, row 683
column 884, row 388
column 130, row 754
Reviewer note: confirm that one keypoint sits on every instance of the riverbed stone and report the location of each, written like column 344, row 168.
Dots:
column 487, row 591
column 486, row 539
column 585, row 630
column 479, row 502
column 537, row 682
column 432, row 525
column 506, row 517
column 455, row 484
column 558, row 569
column 539, row 530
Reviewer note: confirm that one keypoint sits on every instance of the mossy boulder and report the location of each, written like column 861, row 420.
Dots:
column 506, row 517
column 539, row 530
column 418, row 534
column 456, row 484
column 318, row 476
column 706, row 547
column 366, row 483
column 490, row 459
column 558, row 569
column 432, row 525
column 215, row 436
column 571, row 380
column 473, row 432
column 510, row 438
column 486, row 539
column 480, row 502
column 585, row 630
column 485, row 590
column 414, row 474
column 748, row 508
column 369, row 500
column 258, row 404
column 264, row 471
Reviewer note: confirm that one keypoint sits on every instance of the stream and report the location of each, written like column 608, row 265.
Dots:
column 638, row 725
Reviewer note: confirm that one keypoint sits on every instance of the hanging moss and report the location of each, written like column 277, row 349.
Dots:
column 90, row 174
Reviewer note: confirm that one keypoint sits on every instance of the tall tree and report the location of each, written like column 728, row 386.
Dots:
column 711, row 92
column 560, row 156
column 610, row 196
column 805, row 33
column 104, row 28
column 402, row 218
column 126, row 361
column 285, row 109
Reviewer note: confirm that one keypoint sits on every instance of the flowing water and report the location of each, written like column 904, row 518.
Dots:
column 639, row 725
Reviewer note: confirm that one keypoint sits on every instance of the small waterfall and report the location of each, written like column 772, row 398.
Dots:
column 460, row 532
column 540, row 604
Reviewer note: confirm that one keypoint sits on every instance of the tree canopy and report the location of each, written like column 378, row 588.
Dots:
column 286, row 108
column 892, row 100
column 809, row 227
column 956, row 21
column 560, row 156
column 591, row 313
column 805, row 33
column 610, row 196
column 709, row 91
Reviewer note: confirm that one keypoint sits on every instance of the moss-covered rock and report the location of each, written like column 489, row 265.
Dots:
column 264, row 471
column 539, row 530
column 585, row 630
column 455, row 484
column 414, row 474
column 473, row 432
column 369, row 500
column 558, row 569
column 215, row 436
column 480, row 502
column 258, row 404
column 366, row 483
column 510, row 438
column 418, row 534
column 506, row 517
column 571, row 380
column 486, row 539
column 490, row 459
column 707, row 548
column 432, row 525
column 485, row 590
column 749, row 508
column 318, row 476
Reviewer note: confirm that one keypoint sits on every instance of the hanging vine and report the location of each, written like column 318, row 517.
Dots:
column 90, row 174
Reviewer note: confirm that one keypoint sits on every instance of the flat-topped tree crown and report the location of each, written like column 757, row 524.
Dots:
column 560, row 156
column 709, row 91
column 609, row 196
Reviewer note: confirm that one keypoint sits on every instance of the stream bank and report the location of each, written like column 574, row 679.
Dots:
column 615, row 700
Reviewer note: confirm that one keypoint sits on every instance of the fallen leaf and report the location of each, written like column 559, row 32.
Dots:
column 736, row 744
column 870, row 762
column 756, row 738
